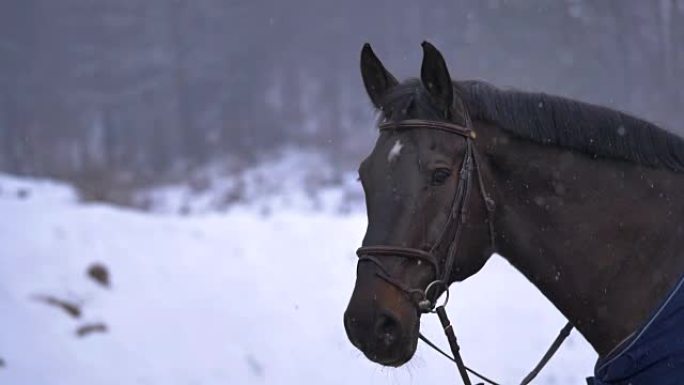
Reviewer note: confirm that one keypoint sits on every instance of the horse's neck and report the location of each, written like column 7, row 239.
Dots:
column 600, row 238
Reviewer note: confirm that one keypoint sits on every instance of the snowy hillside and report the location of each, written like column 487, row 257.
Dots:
column 240, row 297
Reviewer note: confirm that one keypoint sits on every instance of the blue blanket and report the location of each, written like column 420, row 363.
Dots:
column 654, row 354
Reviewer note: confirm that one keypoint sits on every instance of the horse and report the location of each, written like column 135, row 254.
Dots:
column 585, row 201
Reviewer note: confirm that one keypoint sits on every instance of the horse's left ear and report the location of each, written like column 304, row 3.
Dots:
column 435, row 77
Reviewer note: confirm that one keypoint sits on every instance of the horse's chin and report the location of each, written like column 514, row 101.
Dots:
column 398, row 357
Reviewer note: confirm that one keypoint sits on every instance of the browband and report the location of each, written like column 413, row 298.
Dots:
column 419, row 123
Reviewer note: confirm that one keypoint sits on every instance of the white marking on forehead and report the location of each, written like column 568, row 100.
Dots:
column 394, row 152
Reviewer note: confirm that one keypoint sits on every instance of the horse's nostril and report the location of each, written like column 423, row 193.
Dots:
column 387, row 329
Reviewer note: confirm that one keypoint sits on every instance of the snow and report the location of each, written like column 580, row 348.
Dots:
column 231, row 297
column 286, row 180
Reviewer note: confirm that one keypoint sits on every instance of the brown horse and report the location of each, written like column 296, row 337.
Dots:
column 589, row 206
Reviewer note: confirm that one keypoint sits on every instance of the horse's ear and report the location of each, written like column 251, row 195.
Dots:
column 375, row 77
column 435, row 77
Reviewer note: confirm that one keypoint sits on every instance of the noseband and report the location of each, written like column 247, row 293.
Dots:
column 456, row 220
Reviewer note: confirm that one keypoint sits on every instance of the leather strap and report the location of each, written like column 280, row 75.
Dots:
column 399, row 251
column 564, row 333
column 457, row 218
column 431, row 124
column 453, row 343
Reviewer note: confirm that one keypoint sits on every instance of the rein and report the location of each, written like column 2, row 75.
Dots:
column 456, row 220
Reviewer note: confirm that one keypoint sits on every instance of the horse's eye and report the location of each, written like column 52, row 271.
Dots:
column 440, row 175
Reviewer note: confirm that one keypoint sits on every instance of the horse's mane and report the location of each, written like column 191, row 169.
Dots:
column 595, row 130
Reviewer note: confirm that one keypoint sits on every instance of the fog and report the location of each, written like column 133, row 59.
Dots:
column 202, row 155
column 146, row 87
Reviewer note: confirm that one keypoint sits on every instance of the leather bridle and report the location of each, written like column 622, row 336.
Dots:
column 454, row 224
column 425, row 298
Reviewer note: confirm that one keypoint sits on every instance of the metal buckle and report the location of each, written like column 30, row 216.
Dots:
column 427, row 306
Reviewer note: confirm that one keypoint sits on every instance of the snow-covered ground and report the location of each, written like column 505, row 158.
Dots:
column 245, row 296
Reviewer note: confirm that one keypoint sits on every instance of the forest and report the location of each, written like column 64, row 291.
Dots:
column 146, row 89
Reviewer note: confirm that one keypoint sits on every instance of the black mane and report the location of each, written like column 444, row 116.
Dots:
column 595, row 130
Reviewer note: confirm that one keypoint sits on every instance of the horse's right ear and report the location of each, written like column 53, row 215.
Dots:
column 375, row 77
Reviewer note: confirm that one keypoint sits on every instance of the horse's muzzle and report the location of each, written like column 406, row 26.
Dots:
column 383, row 324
